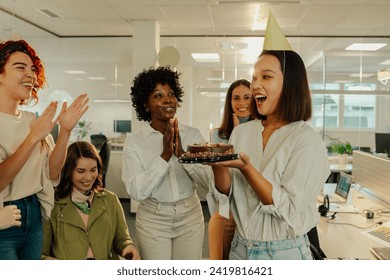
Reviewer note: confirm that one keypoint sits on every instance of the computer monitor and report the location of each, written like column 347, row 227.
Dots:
column 122, row 126
column 382, row 143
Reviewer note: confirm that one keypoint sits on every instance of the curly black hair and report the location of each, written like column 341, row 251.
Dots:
column 144, row 84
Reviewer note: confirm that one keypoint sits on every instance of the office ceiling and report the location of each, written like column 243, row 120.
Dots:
column 86, row 29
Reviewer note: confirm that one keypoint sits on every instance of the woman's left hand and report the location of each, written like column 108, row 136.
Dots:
column 241, row 163
column 70, row 116
column 131, row 253
column 236, row 121
column 178, row 148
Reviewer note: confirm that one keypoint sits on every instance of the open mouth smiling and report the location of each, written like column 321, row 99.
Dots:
column 28, row 84
column 169, row 109
column 260, row 98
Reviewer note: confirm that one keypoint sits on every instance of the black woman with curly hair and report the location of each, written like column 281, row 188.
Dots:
column 169, row 221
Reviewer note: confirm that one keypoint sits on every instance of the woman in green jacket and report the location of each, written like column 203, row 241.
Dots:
column 87, row 221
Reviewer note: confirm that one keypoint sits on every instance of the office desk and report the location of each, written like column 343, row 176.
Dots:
column 335, row 171
column 333, row 159
column 336, row 167
column 339, row 239
column 347, row 168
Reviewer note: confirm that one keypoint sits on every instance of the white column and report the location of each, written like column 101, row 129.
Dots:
column 146, row 44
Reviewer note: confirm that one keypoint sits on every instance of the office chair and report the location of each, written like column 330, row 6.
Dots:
column 98, row 140
column 365, row 149
column 315, row 247
column 105, row 153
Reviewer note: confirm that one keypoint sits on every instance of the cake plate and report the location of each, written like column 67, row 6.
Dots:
column 207, row 160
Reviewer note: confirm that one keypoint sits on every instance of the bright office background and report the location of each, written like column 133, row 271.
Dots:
column 87, row 47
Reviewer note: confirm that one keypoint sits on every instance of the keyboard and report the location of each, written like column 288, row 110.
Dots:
column 382, row 232
column 382, row 253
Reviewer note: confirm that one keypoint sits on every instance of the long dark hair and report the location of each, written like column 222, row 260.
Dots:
column 9, row 47
column 295, row 100
column 227, row 124
column 76, row 151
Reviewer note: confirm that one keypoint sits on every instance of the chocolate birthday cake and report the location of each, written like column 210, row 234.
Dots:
column 209, row 150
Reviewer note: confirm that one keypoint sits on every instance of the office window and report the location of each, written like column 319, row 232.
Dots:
column 325, row 111
column 343, row 111
column 359, row 111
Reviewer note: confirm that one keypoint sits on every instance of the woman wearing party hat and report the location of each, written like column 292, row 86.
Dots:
column 283, row 162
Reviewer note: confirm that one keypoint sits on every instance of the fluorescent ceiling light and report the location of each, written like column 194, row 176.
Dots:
column 343, row 81
column 205, row 57
column 116, row 85
column 215, row 79
column 75, row 72
column 49, row 13
column 365, row 46
column 357, row 75
column 273, row 2
column 96, row 78
column 359, row 88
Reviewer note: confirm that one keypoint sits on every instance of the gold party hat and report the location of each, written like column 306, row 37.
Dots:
column 274, row 39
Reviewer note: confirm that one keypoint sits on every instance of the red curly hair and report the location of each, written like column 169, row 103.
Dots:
column 9, row 47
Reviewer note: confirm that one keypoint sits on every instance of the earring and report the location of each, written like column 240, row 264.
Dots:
column 147, row 109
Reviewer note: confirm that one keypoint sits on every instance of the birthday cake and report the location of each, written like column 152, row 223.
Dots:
column 209, row 150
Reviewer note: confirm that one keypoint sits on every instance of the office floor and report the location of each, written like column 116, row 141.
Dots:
column 130, row 218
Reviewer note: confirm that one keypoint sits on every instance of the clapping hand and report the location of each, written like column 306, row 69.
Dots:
column 172, row 141
column 69, row 116
column 178, row 148
column 42, row 125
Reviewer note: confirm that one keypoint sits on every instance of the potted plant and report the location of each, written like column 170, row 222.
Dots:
column 342, row 149
column 82, row 129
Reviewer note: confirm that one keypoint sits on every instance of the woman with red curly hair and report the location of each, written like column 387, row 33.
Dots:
column 30, row 162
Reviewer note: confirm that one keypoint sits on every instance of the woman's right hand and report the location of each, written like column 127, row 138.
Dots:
column 44, row 124
column 10, row 217
column 168, row 140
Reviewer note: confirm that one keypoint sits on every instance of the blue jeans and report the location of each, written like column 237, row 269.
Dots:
column 288, row 249
column 24, row 242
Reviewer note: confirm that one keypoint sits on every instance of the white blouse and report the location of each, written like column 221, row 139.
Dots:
column 146, row 175
column 295, row 162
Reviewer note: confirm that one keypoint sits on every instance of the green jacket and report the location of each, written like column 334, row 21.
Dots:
column 66, row 238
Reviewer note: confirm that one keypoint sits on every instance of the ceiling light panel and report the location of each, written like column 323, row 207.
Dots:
column 49, row 13
column 206, row 57
column 365, row 46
